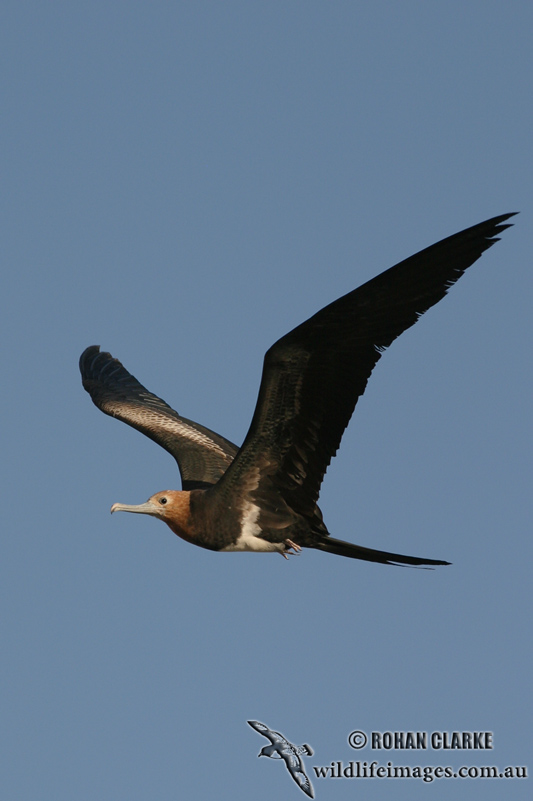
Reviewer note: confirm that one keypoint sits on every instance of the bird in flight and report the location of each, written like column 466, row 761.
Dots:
column 263, row 496
column 281, row 748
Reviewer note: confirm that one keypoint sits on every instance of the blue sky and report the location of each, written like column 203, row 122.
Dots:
column 182, row 184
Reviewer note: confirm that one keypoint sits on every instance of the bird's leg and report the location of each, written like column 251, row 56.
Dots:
column 293, row 549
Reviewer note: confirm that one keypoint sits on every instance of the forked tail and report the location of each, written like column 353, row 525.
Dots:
column 341, row 548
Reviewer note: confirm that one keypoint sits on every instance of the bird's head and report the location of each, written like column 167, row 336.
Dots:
column 269, row 751
column 171, row 506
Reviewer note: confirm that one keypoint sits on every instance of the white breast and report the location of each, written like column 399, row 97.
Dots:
column 250, row 538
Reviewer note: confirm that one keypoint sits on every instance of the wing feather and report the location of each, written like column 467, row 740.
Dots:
column 202, row 455
column 314, row 375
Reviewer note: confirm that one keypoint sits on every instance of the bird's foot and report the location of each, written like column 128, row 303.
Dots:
column 292, row 549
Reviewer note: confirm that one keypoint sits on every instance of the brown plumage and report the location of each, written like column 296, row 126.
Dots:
column 263, row 496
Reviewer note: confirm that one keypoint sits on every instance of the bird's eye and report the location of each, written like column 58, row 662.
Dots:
column 162, row 500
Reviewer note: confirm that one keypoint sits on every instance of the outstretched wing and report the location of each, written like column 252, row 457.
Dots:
column 313, row 376
column 274, row 736
column 202, row 456
column 295, row 768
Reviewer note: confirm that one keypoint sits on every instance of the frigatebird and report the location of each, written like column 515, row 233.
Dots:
column 263, row 496
column 281, row 748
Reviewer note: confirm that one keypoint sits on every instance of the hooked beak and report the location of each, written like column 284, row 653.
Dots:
column 148, row 508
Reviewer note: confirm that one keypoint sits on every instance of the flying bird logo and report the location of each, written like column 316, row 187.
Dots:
column 263, row 497
column 281, row 748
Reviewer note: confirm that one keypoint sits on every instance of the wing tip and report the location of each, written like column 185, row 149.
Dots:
column 88, row 353
column 498, row 226
column 93, row 362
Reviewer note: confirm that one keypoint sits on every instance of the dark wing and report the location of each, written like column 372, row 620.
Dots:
column 313, row 376
column 202, row 456
column 273, row 736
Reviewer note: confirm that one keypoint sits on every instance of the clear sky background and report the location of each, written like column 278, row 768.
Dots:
column 182, row 184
